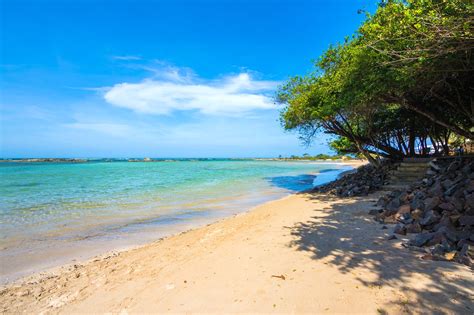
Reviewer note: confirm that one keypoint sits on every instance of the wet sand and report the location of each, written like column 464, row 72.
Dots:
column 92, row 237
column 301, row 254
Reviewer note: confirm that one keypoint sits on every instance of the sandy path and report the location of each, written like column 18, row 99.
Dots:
column 300, row 254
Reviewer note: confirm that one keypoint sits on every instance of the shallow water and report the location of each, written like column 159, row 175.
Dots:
column 53, row 212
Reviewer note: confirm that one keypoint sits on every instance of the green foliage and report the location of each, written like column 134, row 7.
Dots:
column 307, row 157
column 403, row 79
column 343, row 145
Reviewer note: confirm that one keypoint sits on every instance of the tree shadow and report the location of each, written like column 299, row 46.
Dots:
column 345, row 236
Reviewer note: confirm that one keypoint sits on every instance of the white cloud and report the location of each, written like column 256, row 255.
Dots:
column 176, row 89
column 163, row 71
column 126, row 58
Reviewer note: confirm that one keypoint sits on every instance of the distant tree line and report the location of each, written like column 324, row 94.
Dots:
column 402, row 85
column 320, row 156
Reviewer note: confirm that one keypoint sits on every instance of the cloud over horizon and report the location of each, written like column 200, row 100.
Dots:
column 174, row 89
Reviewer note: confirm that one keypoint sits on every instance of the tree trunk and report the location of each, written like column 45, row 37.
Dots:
column 411, row 138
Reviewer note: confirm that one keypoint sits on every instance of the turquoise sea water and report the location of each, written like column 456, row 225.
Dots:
column 55, row 211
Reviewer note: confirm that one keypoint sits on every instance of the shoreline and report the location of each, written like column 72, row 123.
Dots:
column 53, row 271
column 80, row 252
column 298, row 254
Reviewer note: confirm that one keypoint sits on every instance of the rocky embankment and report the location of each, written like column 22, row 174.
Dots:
column 439, row 209
column 435, row 213
column 365, row 180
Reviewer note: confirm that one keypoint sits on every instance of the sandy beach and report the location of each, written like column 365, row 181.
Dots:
column 237, row 157
column 304, row 253
column 59, row 221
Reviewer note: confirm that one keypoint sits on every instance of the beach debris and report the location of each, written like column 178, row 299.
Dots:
column 437, row 212
column 280, row 277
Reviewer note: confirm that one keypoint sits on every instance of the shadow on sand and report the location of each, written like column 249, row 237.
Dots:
column 346, row 237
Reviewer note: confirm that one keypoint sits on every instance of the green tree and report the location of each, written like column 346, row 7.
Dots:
column 403, row 80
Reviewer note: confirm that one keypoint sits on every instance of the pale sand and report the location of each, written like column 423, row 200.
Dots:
column 300, row 254
column 57, row 253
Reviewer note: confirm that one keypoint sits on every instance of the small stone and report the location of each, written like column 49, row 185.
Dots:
column 421, row 239
column 463, row 242
column 436, row 190
column 470, row 187
column 458, row 203
column 436, row 239
column 468, row 250
column 390, row 219
column 454, row 218
column 382, row 202
column 414, row 248
column 417, row 202
column 400, row 229
column 413, row 228
column 450, row 255
column 430, row 218
column 456, row 236
column 450, row 190
column 438, row 250
column 443, row 223
column 403, row 209
column 435, row 167
column 466, row 220
column 446, row 206
column 446, row 184
column 404, row 197
column 416, row 214
column 405, row 218
column 453, row 166
column 393, row 205
column 469, row 201
column 432, row 203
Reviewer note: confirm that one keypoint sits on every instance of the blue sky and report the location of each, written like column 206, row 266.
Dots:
column 158, row 78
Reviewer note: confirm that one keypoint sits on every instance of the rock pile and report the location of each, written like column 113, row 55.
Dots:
column 439, row 209
column 363, row 181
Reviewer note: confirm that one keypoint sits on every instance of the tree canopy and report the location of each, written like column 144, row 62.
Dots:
column 402, row 82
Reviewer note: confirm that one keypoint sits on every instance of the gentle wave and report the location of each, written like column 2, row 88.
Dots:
column 64, row 210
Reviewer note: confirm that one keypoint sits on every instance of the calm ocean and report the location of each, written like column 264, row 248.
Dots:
column 51, row 213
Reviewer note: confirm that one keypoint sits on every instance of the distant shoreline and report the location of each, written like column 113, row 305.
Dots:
column 88, row 160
